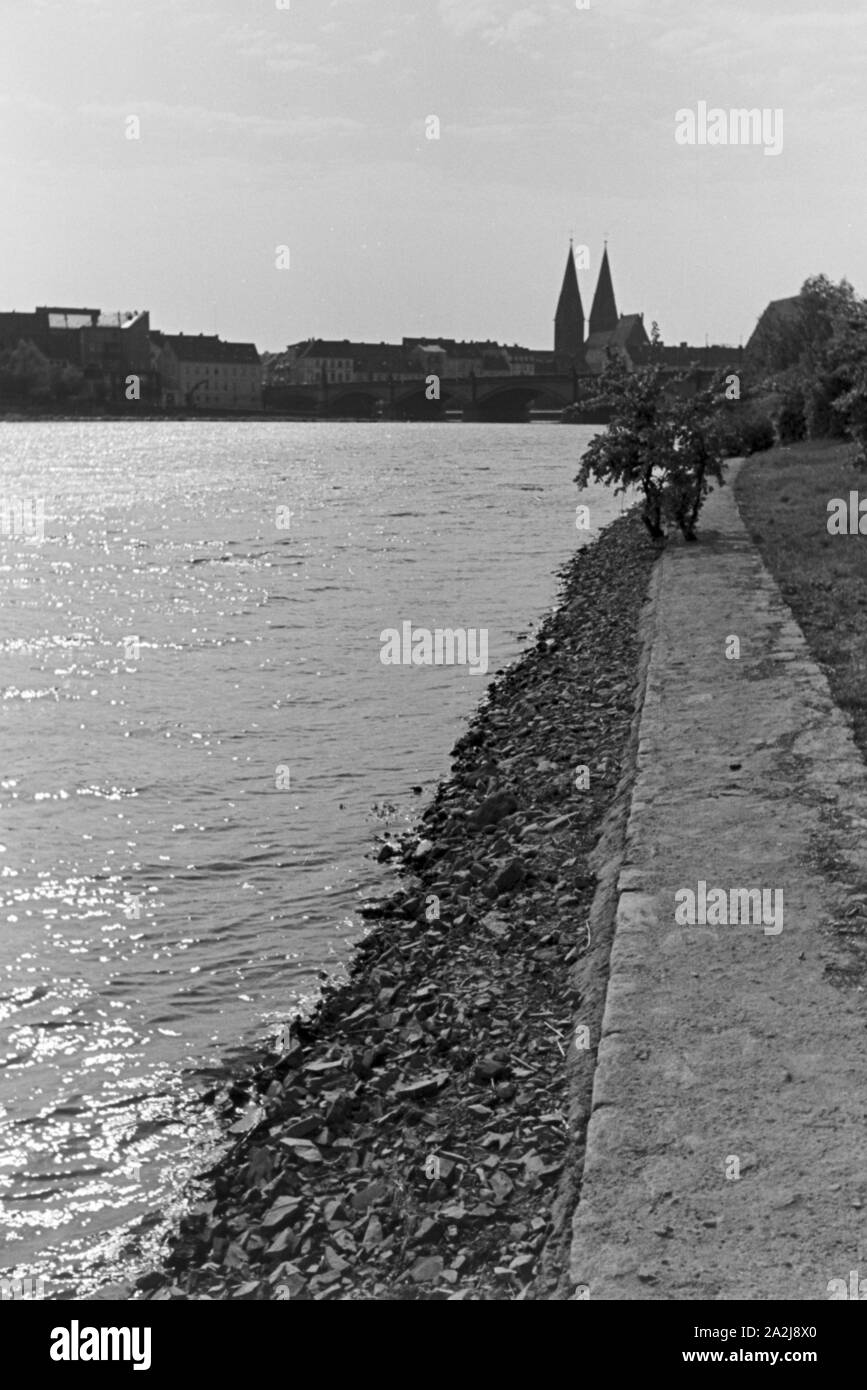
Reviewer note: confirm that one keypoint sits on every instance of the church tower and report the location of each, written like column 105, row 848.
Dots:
column 569, row 320
column 603, row 315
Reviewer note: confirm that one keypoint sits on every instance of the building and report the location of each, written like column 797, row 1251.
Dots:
column 521, row 360
column 108, row 349
column 457, row 361
column 201, row 372
column 49, row 330
column 610, row 332
column 114, row 349
column 691, row 369
column 569, row 321
column 320, row 361
column 626, row 340
column 779, row 337
column 603, row 314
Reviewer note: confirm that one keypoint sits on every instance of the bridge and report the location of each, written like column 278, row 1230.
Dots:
column 505, row 398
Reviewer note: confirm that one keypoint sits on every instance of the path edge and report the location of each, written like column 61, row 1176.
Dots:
column 620, row 910
column 594, row 972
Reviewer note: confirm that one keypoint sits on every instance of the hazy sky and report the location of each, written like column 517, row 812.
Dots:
column 306, row 127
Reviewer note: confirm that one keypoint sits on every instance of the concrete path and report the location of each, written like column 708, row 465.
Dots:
column 728, row 1048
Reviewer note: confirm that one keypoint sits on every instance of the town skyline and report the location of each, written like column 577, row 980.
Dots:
column 577, row 257
column 423, row 164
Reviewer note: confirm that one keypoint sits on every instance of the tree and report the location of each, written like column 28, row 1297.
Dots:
column 66, row 381
column 25, row 373
column 638, row 443
column 696, row 458
column 669, row 448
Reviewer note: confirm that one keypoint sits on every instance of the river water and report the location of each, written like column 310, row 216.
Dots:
column 199, row 744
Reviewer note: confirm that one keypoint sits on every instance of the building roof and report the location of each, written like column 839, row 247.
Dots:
column 569, row 304
column 778, row 337
column 453, row 347
column 59, row 317
column 119, row 319
column 603, row 314
column 682, row 355
column 629, row 331
column 325, row 348
column 206, row 347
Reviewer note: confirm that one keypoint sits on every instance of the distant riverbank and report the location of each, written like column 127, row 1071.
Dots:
column 420, row 1135
column 139, row 414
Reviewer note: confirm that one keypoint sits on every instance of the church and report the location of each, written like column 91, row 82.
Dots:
column 624, row 333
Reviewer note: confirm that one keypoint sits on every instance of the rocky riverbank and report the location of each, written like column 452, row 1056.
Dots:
column 420, row 1136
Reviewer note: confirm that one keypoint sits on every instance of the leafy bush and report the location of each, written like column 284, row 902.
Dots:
column 758, row 434
column 850, row 410
column 695, row 461
column 743, row 433
column 667, row 447
column 791, row 420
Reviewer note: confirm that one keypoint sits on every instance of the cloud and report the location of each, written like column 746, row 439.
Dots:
column 485, row 18
column 744, row 31
column 285, row 55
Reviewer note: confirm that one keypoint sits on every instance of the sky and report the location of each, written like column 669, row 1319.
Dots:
column 280, row 182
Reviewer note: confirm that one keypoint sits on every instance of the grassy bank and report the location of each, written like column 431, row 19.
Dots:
column 421, row 1135
column 784, row 496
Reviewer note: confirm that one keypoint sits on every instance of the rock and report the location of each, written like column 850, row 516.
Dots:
column 431, row 1267
column 289, row 1284
column 286, row 1243
column 303, row 1149
column 455, row 1214
column 248, row 1121
column 373, row 1234
column 494, row 809
column 501, row 1186
column 299, row 1129
column 378, row 1076
column 284, row 1210
column 425, row 1086
column 428, row 1232
column 370, row 1195
column 152, row 1280
column 491, row 1069
column 115, row 1293
column 509, row 877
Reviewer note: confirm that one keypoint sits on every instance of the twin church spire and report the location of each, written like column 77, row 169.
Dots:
column 569, row 319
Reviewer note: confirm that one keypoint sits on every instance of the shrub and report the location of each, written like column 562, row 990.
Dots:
column 758, row 434
column 696, row 459
column 850, row 410
column 791, row 421
column 667, row 447
column 745, row 434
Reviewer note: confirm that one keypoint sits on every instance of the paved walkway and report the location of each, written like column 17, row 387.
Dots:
column 725, row 1043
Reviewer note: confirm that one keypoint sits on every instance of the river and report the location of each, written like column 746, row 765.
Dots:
column 200, row 743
